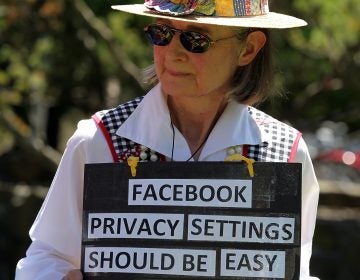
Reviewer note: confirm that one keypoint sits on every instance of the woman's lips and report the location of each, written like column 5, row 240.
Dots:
column 176, row 73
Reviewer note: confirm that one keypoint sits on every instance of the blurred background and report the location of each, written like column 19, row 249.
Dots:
column 62, row 60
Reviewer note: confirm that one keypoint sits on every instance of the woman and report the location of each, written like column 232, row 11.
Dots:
column 208, row 71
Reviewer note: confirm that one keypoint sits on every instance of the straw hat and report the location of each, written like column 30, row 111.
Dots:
column 239, row 13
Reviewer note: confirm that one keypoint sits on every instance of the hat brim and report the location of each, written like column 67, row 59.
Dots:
column 270, row 20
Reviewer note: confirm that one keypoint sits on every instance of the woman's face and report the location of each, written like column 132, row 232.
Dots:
column 186, row 74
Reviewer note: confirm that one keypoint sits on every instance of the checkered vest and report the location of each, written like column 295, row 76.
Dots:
column 281, row 147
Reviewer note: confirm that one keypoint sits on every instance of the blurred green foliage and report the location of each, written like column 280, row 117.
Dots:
column 320, row 63
column 53, row 54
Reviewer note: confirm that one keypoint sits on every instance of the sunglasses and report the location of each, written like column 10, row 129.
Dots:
column 192, row 41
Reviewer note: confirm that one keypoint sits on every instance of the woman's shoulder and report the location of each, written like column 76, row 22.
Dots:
column 89, row 129
column 265, row 120
column 86, row 131
column 119, row 113
column 279, row 139
column 88, row 143
column 95, row 133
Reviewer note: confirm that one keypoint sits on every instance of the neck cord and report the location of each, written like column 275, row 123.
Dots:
column 173, row 140
column 219, row 112
column 197, row 149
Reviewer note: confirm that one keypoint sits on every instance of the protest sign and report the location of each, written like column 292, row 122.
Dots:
column 178, row 220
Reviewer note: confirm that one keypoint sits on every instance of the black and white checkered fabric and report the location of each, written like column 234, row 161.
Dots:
column 277, row 149
column 281, row 139
column 112, row 120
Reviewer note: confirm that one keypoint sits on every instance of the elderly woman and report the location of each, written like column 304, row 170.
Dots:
column 211, row 65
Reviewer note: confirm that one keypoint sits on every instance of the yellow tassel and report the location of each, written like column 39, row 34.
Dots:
column 248, row 161
column 133, row 162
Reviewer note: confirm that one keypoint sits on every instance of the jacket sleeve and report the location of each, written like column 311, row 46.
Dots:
column 56, row 231
column 310, row 197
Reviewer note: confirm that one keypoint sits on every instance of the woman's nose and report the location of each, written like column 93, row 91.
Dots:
column 175, row 47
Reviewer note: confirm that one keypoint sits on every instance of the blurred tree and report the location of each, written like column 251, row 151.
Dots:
column 319, row 63
column 57, row 59
column 57, row 56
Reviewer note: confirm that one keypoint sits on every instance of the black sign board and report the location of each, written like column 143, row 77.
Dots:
column 181, row 220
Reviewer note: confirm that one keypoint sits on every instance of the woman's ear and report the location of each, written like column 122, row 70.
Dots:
column 253, row 44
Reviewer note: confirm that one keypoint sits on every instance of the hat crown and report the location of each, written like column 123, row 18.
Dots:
column 224, row 8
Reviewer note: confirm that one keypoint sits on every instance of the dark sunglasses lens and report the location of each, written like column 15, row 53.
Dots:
column 195, row 42
column 158, row 35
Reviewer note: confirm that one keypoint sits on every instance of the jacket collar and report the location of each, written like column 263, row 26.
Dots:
column 150, row 125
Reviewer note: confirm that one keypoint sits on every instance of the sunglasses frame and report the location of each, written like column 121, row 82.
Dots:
column 184, row 37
